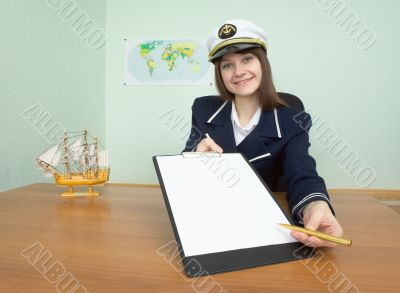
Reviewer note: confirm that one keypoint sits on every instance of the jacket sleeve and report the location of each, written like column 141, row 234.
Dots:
column 195, row 133
column 304, row 184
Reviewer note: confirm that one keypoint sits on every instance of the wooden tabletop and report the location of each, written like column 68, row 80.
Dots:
column 112, row 244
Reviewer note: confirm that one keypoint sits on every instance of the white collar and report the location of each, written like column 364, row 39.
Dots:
column 252, row 123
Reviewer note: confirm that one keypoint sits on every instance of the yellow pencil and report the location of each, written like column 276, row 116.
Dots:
column 320, row 235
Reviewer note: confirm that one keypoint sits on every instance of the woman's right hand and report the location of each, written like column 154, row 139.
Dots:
column 208, row 145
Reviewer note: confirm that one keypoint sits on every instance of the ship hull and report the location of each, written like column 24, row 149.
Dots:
column 77, row 179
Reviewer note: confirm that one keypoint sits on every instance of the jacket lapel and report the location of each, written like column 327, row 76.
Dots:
column 254, row 146
column 222, row 132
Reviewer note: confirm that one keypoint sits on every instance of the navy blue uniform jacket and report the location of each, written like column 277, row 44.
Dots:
column 277, row 146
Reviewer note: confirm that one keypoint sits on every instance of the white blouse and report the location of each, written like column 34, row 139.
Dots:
column 240, row 132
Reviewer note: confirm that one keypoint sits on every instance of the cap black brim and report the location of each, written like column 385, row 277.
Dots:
column 231, row 49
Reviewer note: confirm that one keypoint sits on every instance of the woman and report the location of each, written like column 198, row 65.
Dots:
column 250, row 118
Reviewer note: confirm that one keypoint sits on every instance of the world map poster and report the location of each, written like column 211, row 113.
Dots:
column 167, row 62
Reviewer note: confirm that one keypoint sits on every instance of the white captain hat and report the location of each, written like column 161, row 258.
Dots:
column 234, row 35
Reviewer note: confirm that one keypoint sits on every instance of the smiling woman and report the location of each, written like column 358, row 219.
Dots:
column 249, row 117
column 266, row 93
column 241, row 73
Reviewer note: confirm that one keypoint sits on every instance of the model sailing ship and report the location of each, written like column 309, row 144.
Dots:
column 76, row 161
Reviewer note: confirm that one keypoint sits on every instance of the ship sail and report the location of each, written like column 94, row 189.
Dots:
column 48, row 155
column 56, row 159
column 91, row 150
column 103, row 158
column 92, row 157
column 76, row 150
column 48, row 174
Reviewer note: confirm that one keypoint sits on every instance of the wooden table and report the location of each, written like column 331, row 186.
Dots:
column 110, row 244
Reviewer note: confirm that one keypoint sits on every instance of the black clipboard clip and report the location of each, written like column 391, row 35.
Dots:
column 196, row 155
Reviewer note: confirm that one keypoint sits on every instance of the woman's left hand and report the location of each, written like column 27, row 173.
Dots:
column 318, row 216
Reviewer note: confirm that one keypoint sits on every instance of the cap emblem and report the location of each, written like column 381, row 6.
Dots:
column 226, row 31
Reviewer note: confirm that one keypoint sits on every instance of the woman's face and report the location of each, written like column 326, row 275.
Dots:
column 241, row 74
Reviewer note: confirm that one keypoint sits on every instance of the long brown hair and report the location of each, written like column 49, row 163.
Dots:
column 269, row 99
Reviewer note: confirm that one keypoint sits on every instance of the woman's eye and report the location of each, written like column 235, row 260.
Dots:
column 226, row 66
column 248, row 58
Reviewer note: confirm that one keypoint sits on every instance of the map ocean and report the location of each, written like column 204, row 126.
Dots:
column 167, row 62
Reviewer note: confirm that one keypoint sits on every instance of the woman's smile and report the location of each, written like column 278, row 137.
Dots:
column 243, row 81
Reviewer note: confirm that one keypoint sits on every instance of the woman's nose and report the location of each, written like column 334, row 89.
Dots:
column 239, row 70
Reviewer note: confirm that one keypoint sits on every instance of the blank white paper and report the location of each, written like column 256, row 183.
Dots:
column 219, row 204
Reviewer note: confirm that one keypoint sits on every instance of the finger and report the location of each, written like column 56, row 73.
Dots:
column 216, row 148
column 313, row 221
column 212, row 146
column 337, row 229
column 311, row 241
column 316, row 242
column 299, row 236
column 203, row 146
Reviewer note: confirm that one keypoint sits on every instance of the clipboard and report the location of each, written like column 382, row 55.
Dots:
column 223, row 215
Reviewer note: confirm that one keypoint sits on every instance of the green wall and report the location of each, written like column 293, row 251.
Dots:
column 50, row 78
column 350, row 90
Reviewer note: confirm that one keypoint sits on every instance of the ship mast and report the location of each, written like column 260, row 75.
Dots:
column 67, row 173
column 86, row 150
column 96, row 156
